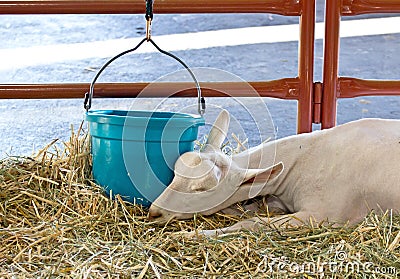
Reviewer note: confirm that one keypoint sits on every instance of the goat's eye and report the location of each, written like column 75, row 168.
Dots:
column 200, row 189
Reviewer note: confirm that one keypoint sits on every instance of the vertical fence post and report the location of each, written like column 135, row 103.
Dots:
column 306, row 67
column 331, row 63
column 300, row 88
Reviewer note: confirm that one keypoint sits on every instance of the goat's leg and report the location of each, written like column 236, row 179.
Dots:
column 269, row 204
column 257, row 223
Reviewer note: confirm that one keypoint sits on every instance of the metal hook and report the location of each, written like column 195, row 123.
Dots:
column 149, row 18
column 148, row 29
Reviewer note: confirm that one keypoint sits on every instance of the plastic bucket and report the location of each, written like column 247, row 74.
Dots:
column 134, row 152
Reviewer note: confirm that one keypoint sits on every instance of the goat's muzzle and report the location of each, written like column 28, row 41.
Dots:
column 154, row 213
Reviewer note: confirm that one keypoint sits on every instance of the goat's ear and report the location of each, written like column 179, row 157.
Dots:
column 263, row 175
column 219, row 130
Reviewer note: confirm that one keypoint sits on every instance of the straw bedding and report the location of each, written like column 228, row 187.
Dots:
column 55, row 222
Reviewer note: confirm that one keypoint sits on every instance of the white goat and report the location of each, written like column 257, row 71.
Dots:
column 337, row 175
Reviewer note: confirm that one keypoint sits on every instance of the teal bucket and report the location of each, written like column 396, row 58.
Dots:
column 134, row 152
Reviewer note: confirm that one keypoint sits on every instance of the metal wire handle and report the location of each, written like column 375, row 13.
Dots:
column 201, row 105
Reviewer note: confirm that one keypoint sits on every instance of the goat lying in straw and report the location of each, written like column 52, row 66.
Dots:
column 337, row 175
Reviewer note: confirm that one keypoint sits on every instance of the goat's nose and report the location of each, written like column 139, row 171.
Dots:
column 154, row 213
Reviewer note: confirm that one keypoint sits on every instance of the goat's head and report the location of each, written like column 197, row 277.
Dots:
column 208, row 181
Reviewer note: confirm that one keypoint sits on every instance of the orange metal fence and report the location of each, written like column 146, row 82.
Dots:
column 335, row 87
column 298, row 88
column 283, row 7
column 316, row 101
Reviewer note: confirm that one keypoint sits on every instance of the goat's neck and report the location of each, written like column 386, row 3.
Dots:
column 287, row 150
column 290, row 151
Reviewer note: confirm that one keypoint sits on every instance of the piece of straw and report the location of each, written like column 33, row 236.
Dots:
column 56, row 222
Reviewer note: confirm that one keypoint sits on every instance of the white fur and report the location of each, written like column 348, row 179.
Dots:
column 337, row 175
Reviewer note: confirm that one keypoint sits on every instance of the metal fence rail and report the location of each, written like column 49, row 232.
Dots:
column 283, row 7
column 335, row 87
column 359, row 7
column 287, row 88
column 316, row 101
column 300, row 88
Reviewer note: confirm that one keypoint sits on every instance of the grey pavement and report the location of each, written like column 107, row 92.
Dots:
column 28, row 125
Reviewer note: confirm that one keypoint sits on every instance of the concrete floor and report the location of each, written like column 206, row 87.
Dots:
column 28, row 125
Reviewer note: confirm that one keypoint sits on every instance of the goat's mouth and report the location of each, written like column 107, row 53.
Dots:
column 158, row 216
column 160, row 220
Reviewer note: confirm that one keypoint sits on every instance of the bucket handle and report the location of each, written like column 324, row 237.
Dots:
column 201, row 103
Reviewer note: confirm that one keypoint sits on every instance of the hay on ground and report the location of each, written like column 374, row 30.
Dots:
column 55, row 222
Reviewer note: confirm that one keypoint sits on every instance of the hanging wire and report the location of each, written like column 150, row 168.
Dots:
column 149, row 10
column 201, row 103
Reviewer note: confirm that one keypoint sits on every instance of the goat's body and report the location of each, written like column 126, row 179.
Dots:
column 341, row 173
column 337, row 175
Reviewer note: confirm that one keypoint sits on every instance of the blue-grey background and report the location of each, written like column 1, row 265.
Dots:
column 27, row 125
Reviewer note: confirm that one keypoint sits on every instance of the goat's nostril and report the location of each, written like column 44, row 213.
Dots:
column 153, row 214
